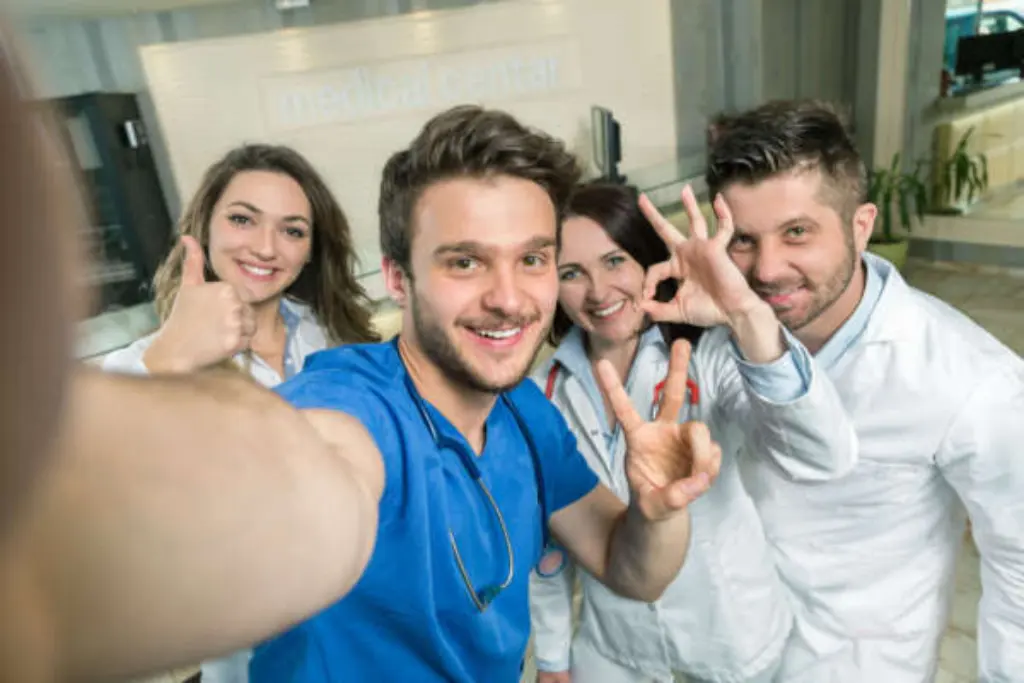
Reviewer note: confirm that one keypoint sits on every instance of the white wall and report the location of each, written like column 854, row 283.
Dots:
column 810, row 48
column 348, row 95
column 725, row 53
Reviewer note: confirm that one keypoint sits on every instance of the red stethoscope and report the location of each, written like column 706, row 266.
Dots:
column 691, row 388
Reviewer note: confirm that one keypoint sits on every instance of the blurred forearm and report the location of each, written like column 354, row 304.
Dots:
column 183, row 517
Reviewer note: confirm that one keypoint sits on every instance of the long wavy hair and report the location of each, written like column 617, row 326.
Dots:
column 616, row 209
column 327, row 284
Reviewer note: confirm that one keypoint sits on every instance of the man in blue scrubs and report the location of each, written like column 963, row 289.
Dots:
column 478, row 465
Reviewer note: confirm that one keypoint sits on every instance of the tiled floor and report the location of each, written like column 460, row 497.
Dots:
column 995, row 299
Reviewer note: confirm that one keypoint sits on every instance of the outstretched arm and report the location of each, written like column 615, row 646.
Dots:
column 185, row 517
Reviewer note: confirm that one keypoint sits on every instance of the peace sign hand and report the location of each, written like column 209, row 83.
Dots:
column 712, row 289
column 668, row 464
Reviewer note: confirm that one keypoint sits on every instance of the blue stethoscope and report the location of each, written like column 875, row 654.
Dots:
column 485, row 596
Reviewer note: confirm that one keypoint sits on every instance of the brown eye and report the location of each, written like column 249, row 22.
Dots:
column 534, row 260
column 741, row 242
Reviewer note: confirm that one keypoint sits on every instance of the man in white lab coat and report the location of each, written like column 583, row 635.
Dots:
column 937, row 402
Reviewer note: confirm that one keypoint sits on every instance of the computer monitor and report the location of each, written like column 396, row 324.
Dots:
column 607, row 143
column 978, row 55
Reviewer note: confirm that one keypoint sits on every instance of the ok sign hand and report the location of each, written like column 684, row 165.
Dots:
column 712, row 290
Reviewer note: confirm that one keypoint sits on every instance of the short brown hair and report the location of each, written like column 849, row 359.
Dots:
column 467, row 141
column 785, row 136
column 327, row 284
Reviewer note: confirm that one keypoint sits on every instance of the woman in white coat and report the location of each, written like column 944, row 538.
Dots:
column 263, row 276
column 726, row 616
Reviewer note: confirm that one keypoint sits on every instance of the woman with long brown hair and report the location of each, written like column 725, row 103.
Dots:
column 261, row 277
column 262, row 274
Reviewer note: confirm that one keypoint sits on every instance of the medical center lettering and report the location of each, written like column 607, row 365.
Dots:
column 364, row 91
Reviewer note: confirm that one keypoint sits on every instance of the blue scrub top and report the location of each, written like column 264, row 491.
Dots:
column 410, row 616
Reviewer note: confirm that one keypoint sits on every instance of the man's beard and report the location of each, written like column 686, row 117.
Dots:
column 438, row 347
column 822, row 296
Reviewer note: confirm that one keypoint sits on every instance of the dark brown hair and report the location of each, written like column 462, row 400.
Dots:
column 785, row 136
column 467, row 141
column 327, row 283
column 616, row 209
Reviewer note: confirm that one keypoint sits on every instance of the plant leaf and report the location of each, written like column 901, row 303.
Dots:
column 904, row 207
column 974, row 187
column 874, row 184
column 920, row 200
column 962, row 176
column 887, row 213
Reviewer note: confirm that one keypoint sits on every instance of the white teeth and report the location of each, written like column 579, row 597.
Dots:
column 610, row 310
column 263, row 272
column 499, row 334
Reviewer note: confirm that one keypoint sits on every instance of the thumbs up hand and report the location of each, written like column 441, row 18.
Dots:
column 208, row 323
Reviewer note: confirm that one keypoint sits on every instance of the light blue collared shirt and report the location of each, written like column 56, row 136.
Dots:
column 291, row 316
column 785, row 379
column 850, row 331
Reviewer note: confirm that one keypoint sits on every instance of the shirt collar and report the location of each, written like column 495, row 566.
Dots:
column 292, row 313
column 875, row 277
column 443, row 432
column 571, row 353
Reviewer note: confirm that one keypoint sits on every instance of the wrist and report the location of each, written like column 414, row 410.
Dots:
column 758, row 333
column 159, row 358
column 635, row 517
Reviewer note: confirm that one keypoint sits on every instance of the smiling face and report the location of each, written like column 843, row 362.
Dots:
column 261, row 234
column 601, row 285
column 484, row 285
column 796, row 250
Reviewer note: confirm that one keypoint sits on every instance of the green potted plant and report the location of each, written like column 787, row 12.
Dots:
column 900, row 196
column 962, row 178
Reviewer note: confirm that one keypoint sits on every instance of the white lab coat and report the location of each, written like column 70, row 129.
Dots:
column 726, row 616
column 307, row 337
column 938, row 405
